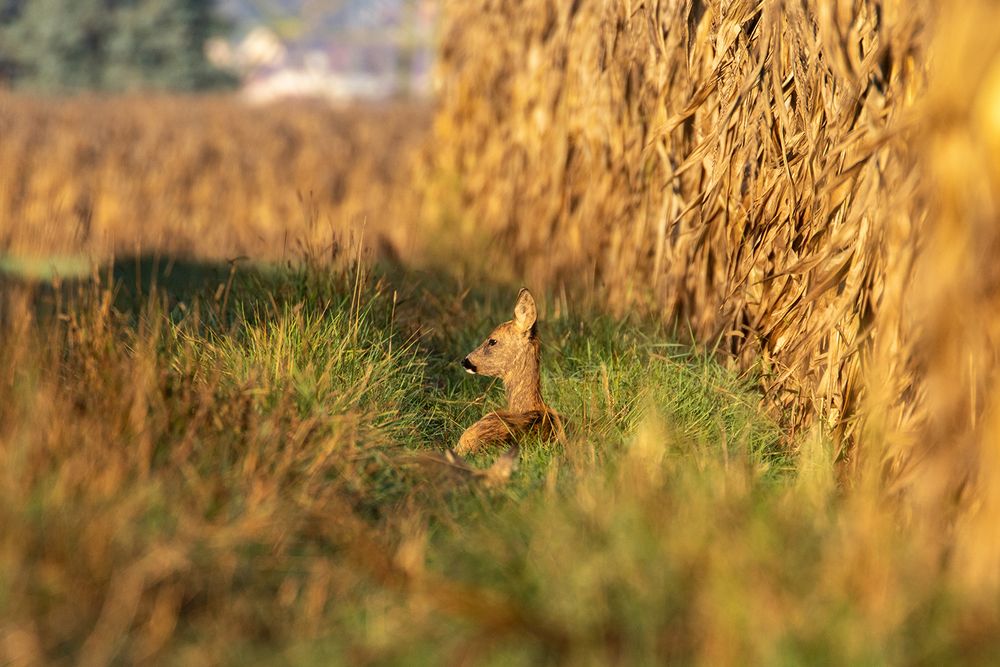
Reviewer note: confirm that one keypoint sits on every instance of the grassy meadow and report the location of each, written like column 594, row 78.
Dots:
column 208, row 465
column 762, row 238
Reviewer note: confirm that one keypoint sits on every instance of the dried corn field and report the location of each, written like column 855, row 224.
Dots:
column 794, row 181
column 745, row 159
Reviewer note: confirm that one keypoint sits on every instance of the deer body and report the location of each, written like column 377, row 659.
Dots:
column 512, row 353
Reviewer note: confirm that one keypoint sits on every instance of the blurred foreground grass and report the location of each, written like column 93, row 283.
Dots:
column 216, row 464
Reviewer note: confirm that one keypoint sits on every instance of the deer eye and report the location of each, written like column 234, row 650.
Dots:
column 491, row 342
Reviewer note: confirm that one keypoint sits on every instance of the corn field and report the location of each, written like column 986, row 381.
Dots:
column 811, row 187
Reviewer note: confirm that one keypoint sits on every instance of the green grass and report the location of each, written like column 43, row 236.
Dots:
column 225, row 467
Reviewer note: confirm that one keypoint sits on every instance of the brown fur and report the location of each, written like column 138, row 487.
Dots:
column 503, row 427
column 512, row 352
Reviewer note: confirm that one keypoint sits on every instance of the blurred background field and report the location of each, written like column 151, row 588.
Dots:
column 242, row 246
column 204, row 177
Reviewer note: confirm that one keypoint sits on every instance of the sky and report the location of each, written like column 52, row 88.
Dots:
column 313, row 19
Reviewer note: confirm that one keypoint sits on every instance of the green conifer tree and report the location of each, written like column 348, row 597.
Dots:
column 113, row 45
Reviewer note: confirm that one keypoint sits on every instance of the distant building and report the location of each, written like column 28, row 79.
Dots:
column 260, row 49
column 315, row 80
column 384, row 51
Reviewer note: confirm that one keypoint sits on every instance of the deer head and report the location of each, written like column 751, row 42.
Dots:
column 512, row 353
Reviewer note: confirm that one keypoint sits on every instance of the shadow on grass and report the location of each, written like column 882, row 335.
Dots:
column 592, row 364
column 430, row 309
column 448, row 314
column 429, row 302
column 50, row 282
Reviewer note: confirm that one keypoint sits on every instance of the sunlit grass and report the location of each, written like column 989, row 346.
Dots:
column 197, row 482
column 204, row 434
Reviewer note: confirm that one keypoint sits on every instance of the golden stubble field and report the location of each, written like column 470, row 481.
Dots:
column 200, row 177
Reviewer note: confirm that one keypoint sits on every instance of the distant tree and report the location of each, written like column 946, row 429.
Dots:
column 109, row 44
column 9, row 9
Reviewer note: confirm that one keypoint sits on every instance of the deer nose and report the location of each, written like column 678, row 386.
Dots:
column 468, row 366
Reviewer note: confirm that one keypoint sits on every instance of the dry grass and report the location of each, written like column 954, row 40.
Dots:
column 190, row 513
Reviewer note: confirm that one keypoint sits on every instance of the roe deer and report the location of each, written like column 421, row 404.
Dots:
column 513, row 354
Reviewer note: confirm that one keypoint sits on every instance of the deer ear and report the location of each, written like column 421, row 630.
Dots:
column 524, row 310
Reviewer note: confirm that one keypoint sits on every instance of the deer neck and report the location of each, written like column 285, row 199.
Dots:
column 524, row 384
